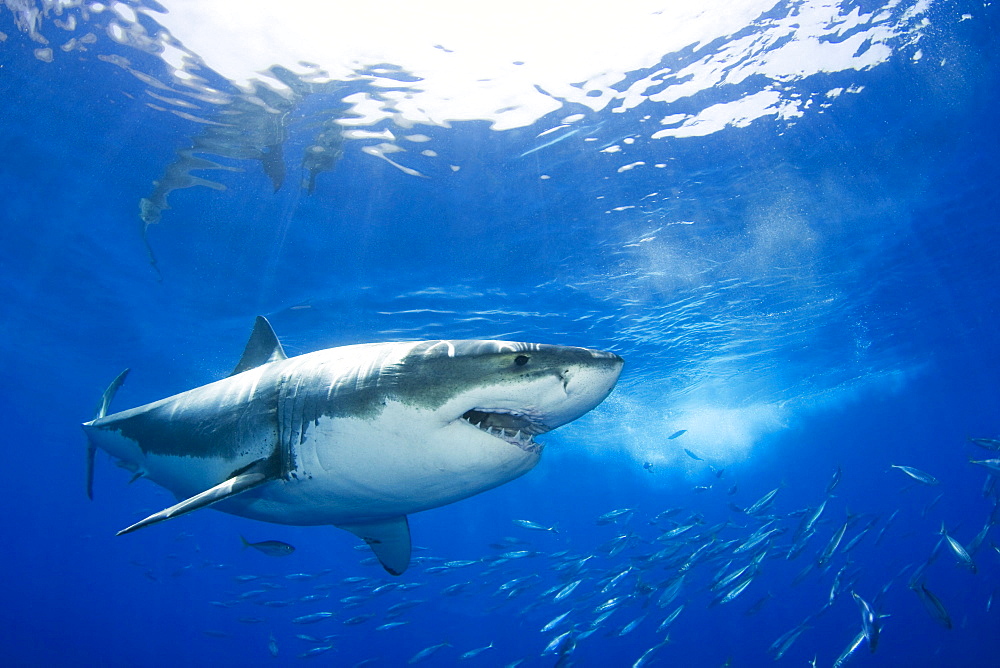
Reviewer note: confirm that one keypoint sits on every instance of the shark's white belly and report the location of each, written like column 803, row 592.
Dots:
column 353, row 469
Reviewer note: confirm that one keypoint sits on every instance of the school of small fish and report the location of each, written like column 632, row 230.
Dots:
column 652, row 568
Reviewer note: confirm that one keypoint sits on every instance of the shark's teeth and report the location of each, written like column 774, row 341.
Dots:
column 512, row 428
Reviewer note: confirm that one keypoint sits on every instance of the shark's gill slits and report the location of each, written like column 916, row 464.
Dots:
column 510, row 427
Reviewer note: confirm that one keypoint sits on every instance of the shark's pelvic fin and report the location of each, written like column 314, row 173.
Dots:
column 389, row 540
column 231, row 487
column 263, row 347
column 102, row 410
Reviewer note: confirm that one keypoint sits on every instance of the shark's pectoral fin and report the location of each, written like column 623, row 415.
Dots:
column 102, row 410
column 389, row 540
column 263, row 347
column 224, row 490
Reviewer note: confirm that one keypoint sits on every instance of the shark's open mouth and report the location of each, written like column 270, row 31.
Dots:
column 516, row 429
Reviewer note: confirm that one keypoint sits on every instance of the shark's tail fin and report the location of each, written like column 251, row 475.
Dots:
column 109, row 394
column 102, row 410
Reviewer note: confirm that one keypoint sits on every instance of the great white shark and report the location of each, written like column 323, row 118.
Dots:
column 356, row 436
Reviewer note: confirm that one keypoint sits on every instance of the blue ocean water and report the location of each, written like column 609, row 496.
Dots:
column 793, row 251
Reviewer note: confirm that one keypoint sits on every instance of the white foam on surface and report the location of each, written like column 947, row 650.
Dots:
column 514, row 63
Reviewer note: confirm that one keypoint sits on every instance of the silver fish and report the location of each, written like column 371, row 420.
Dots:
column 620, row 544
column 555, row 622
column 427, row 652
column 736, row 591
column 671, row 592
column 676, row 531
column 726, row 580
column 313, row 618
column 831, row 547
column 315, row 651
column 612, row 603
column 632, row 626
column 798, row 545
column 354, row 601
column 404, row 605
column 834, row 481
column 455, row 589
column 758, row 605
column 669, row 619
column 977, row 542
column 567, row 590
column 272, row 548
column 986, row 443
column 693, row 559
column 836, row 585
column 516, row 582
column 535, row 526
column 615, row 515
column 648, row 654
column 861, row 534
column 562, row 644
column 933, row 604
column 390, row 625
column 785, row 641
column 930, row 506
column 992, row 464
column 475, row 652
column 756, row 540
column 869, row 622
column 762, row 503
column 846, row 654
column 958, row 550
column 358, row 619
column 917, row 474
column 809, row 524
column 616, row 580
column 881, row 533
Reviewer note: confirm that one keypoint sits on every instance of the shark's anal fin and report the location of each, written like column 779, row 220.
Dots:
column 263, row 347
column 224, row 490
column 102, row 410
column 389, row 540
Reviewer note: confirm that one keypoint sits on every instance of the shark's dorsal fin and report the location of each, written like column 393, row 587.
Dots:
column 263, row 347
column 389, row 540
column 225, row 489
column 102, row 411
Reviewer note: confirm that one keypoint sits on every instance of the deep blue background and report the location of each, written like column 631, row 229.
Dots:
column 875, row 332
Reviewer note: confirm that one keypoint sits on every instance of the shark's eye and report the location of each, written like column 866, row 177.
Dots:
column 521, row 360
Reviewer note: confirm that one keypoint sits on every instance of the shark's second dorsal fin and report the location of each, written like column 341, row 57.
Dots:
column 263, row 347
column 389, row 539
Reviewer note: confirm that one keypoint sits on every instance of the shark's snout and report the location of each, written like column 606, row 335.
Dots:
column 586, row 383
